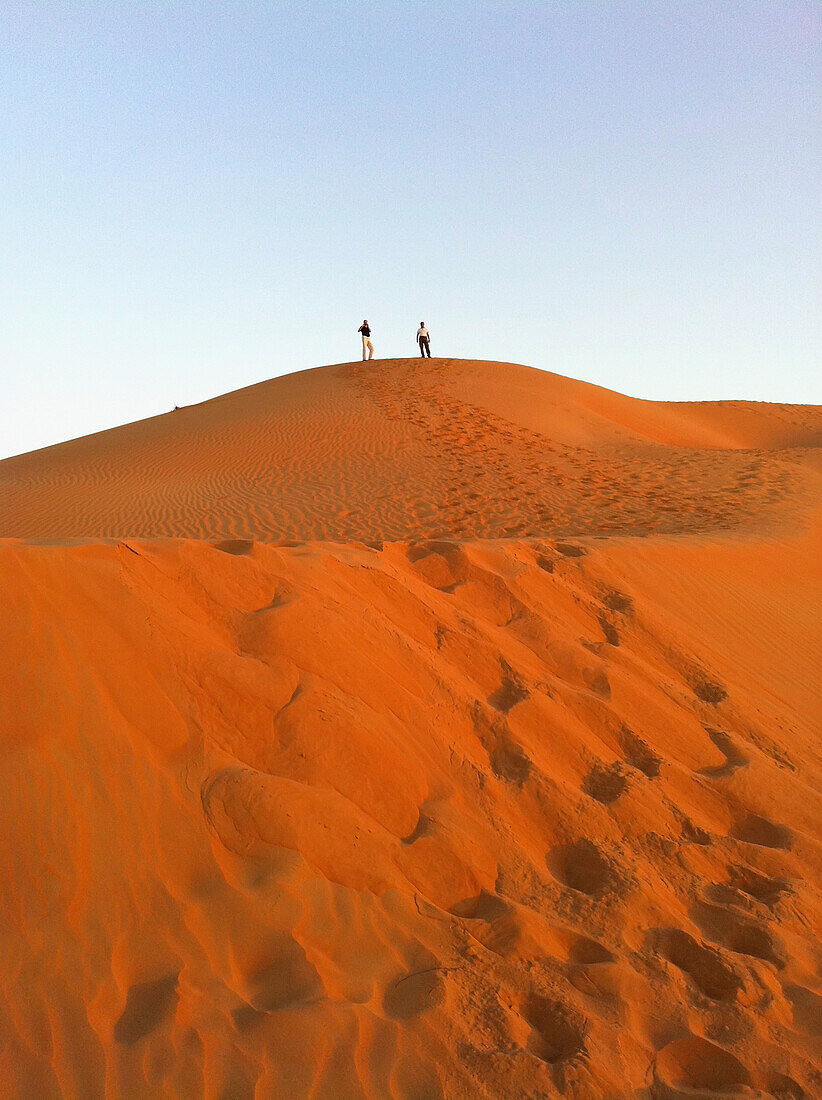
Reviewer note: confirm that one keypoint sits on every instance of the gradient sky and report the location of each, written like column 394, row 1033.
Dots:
column 195, row 196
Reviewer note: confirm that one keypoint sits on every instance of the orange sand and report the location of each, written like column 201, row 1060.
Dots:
column 358, row 742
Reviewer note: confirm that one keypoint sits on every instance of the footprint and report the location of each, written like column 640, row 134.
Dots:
column 582, row 867
column 711, row 975
column 236, row 547
column 421, row 829
column 638, row 754
column 733, row 757
column 586, row 952
column 609, row 630
column 757, row 886
column 485, row 906
column 568, row 550
column 760, row 831
column 147, row 1005
column 739, row 933
column 709, row 691
column 694, row 834
column 556, row 1036
column 510, row 692
column 286, row 978
column 412, row 994
column 694, row 1063
column 618, row 601
column 605, row 783
column 501, row 928
column 597, row 682
column 508, row 761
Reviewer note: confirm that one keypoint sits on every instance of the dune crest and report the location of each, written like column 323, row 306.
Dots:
column 406, row 448
column 371, row 787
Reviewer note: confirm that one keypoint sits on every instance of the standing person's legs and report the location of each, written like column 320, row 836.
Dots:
column 422, row 347
column 370, row 350
column 365, row 343
column 427, row 347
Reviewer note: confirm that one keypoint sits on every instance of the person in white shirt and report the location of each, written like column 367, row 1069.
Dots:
column 422, row 340
column 366, row 340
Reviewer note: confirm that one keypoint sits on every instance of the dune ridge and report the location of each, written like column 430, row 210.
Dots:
column 380, row 789
column 409, row 448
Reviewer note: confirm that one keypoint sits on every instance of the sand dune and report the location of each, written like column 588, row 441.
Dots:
column 416, row 730
column 403, row 449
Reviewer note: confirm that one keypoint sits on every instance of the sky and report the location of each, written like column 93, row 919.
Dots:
column 196, row 196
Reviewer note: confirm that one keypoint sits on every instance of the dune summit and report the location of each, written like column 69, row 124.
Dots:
column 417, row 729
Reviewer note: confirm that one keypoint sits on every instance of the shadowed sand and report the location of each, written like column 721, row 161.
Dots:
column 354, row 745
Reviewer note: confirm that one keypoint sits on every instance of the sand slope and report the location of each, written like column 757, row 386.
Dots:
column 404, row 448
column 444, row 815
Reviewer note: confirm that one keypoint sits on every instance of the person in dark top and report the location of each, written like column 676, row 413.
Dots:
column 422, row 340
column 366, row 340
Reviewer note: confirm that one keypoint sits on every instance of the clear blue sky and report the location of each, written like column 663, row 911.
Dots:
column 198, row 195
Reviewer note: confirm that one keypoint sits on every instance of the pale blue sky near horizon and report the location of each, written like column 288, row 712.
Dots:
column 196, row 196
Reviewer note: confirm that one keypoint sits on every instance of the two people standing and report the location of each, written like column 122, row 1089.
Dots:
column 423, row 339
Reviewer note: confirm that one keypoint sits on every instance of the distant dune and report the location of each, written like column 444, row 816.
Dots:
column 415, row 730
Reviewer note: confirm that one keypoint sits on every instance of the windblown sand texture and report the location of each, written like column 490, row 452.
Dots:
column 414, row 730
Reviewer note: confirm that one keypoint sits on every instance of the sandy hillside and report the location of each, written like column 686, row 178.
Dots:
column 403, row 448
column 415, row 730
